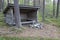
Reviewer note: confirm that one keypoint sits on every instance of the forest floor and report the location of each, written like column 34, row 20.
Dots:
column 48, row 31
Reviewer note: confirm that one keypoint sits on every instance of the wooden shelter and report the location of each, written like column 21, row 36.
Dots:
column 28, row 14
column 17, row 14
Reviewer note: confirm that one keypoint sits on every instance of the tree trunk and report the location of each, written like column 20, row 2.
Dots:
column 7, row 1
column 42, row 9
column 53, row 8
column 1, row 5
column 26, row 2
column 43, row 18
column 33, row 2
column 17, row 13
column 36, row 3
column 57, row 12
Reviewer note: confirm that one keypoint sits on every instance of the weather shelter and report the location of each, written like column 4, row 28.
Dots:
column 28, row 14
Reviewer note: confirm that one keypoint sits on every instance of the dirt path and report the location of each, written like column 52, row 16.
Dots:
column 47, row 31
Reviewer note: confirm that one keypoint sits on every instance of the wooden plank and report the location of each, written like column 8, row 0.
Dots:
column 21, row 7
column 12, row 17
column 17, row 13
column 27, row 22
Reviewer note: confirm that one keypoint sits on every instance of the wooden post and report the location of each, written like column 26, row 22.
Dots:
column 17, row 13
column 36, row 3
column 12, row 17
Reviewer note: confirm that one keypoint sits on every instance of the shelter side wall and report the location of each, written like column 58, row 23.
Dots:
column 9, row 16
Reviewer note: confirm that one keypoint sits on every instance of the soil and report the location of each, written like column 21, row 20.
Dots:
column 48, row 30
